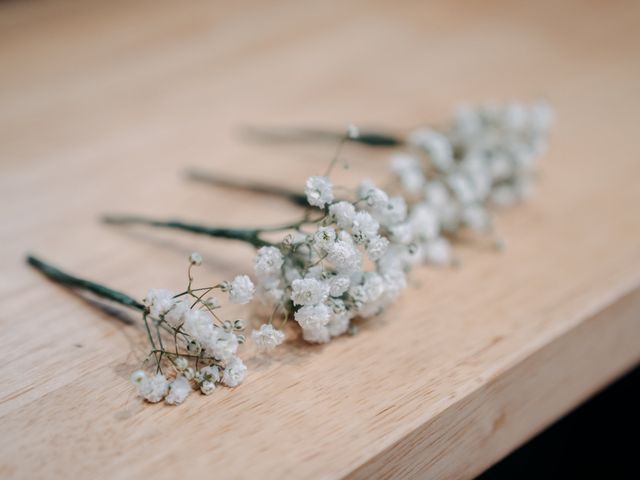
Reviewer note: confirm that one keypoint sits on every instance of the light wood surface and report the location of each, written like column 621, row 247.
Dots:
column 102, row 104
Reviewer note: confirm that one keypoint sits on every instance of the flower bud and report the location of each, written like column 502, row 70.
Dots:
column 195, row 259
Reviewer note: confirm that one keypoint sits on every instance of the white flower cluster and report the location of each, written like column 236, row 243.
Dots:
column 343, row 267
column 200, row 337
column 318, row 191
column 486, row 157
column 267, row 337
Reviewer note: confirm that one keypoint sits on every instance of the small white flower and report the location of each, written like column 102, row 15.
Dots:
column 402, row 163
column 343, row 213
column 234, row 372
column 516, row 115
column 207, row 387
column 365, row 227
column 337, row 306
column 189, row 373
column 375, row 198
column 195, row 259
column 353, row 131
column 179, row 390
column 344, row 256
column 424, row 222
column 159, row 301
column 393, row 259
column 436, row 145
column 324, row 237
column 438, row 252
column 340, row 318
column 267, row 337
column 294, row 238
column 224, row 346
column 156, row 296
column 339, row 324
column 319, row 191
column 163, row 305
column 338, row 284
column 476, row 217
column 412, row 181
column 504, row 195
column 270, row 294
column 373, row 286
column 153, row 389
column 199, row 326
column 208, row 374
column 394, row 213
column 138, row 376
column 436, row 194
column 501, row 167
column 181, row 363
column 318, row 334
column 313, row 316
column 241, row 290
column 268, row 261
column 462, row 188
column 308, row 291
column 395, row 282
column 376, row 247
column 408, row 169
column 481, row 181
column 175, row 315
column 214, row 340
column 401, row 233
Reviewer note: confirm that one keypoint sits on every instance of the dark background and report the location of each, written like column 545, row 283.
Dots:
column 597, row 440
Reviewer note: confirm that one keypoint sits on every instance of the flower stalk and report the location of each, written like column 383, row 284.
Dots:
column 297, row 198
column 248, row 235
column 187, row 323
column 251, row 236
column 452, row 176
column 64, row 278
column 369, row 138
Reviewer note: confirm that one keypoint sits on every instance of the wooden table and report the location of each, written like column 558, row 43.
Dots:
column 103, row 105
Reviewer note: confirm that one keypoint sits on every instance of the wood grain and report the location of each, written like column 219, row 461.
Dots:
column 102, row 105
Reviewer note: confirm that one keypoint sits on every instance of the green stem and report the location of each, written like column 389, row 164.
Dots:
column 378, row 139
column 64, row 278
column 248, row 235
column 292, row 196
column 292, row 225
column 369, row 138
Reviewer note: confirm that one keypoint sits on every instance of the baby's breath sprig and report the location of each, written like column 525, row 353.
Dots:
column 341, row 260
column 486, row 157
column 190, row 345
column 452, row 176
column 341, row 267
